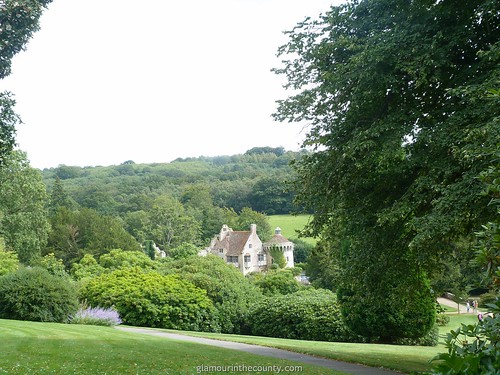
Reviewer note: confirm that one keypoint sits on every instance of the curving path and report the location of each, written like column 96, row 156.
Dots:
column 348, row 368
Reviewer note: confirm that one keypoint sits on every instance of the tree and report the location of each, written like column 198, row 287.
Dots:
column 248, row 217
column 184, row 250
column 76, row 233
column 117, row 259
column 87, row 267
column 169, row 225
column 59, row 197
column 271, row 195
column 8, row 260
column 8, row 121
column 23, row 217
column 198, row 203
column 391, row 91
column 19, row 20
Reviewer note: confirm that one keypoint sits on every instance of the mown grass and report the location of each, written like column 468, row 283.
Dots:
column 51, row 348
column 397, row 357
column 289, row 225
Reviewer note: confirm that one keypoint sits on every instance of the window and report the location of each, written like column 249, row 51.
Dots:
column 260, row 257
column 221, row 251
column 249, row 245
column 232, row 259
column 247, row 258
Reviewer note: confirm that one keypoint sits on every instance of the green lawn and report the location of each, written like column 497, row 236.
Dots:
column 403, row 358
column 289, row 225
column 50, row 348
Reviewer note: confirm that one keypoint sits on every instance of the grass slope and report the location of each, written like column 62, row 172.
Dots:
column 407, row 359
column 50, row 348
column 289, row 225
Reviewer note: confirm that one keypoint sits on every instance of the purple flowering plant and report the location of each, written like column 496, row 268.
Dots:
column 97, row 316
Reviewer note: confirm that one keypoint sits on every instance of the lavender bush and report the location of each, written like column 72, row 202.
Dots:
column 96, row 316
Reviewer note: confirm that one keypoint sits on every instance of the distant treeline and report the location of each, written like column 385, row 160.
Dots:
column 257, row 179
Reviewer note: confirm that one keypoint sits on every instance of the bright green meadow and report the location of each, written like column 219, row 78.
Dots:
column 289, row 225
column 51, row 348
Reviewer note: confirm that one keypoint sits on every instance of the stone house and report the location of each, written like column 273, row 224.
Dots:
column 245, row 250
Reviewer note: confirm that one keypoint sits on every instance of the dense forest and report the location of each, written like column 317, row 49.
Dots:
column 97, row 209
column 256, row 179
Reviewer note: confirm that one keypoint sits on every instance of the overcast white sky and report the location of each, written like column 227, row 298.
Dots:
column 105, row 81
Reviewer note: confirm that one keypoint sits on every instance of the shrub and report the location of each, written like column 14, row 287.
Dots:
column 392, row 306
column 430, row 339
column 442, row 320
column 8, row 261
column 118, row 258
column 473, row 348
column 311, row 314
column 52, row 264
column 87, row 267
column 96, row 316
column 276, row 282
column 34, row 294
column 146, row 298
column 230, row 292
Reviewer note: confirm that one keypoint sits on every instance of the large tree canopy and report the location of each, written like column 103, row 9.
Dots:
column 18, row 22
column 395, row 93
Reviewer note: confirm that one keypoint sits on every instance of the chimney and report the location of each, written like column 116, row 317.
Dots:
column 253, row 228
column 277, row 230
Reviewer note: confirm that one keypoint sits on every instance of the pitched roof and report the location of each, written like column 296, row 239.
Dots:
column 234, row 242
column 277, row 239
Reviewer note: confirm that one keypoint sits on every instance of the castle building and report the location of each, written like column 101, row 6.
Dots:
column 246, row 251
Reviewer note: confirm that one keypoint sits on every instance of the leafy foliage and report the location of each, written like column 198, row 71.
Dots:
column 87, row 267
column 278, row 256
column 34, row 294
column 276, row 282
column 149, row 299
column 231, row 293
column 23, row 217
column 394, row 95
column 18, row 20
column 118, row 258
column 76, row 233
column 312, row 314
column 184, row 250
column 8, row 121
column 480, row 355
column 8, row 261
column 53, row 265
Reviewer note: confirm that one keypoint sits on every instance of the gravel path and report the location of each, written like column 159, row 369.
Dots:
column 348, row 368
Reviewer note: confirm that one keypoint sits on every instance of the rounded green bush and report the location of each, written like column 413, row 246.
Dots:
column 146, row 298
column 34, row 294
column 231, row 293
column 311, row 314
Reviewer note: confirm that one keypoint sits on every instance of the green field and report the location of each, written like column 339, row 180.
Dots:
column 289, row 225
column 48, row 348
